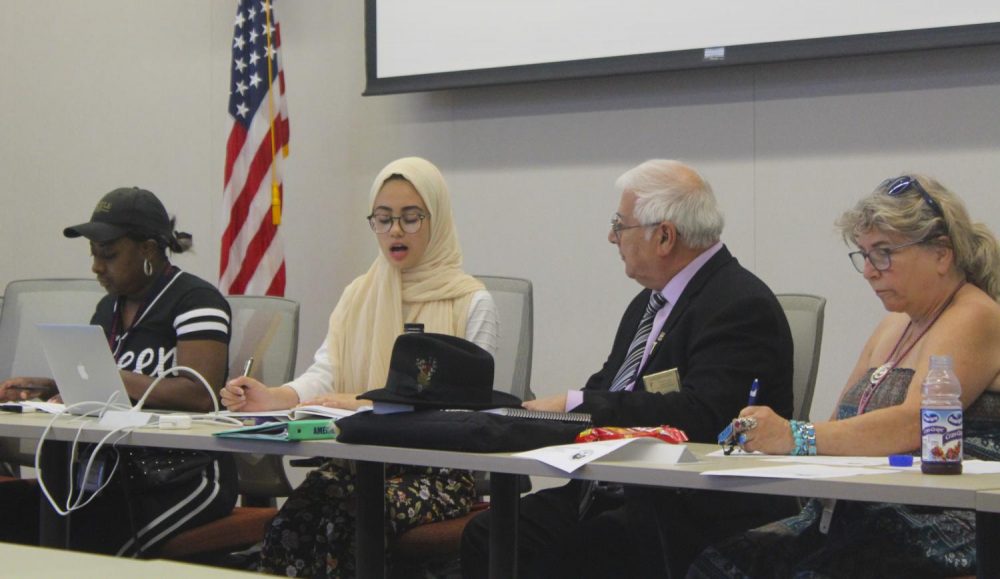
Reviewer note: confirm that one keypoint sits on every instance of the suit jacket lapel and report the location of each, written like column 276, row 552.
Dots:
column 721, row 258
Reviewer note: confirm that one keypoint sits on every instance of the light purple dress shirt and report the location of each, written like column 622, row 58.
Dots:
column 672, row 292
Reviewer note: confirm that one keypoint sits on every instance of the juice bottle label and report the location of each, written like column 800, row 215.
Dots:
column 941, row 434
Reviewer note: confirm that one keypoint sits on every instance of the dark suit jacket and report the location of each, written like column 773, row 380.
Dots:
column 726, row 329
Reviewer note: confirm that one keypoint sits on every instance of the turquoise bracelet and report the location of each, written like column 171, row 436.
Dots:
column 804, row 435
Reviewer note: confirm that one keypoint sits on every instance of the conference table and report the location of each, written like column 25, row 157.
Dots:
column 980, row 492
column 23, row 561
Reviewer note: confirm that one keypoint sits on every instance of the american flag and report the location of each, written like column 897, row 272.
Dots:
column 252, row 259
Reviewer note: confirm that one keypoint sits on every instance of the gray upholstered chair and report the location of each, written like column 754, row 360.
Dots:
column 439, row 543
column 267, row 329
column 805, row 318
column 26, row 303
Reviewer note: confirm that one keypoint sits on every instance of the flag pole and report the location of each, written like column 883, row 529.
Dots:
column 275, row 190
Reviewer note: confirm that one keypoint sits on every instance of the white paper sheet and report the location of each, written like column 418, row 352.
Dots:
column 974, row 466
column 569, row 457
column 823, row 459
column 798, row 470
column 50, row 407
column 737, row 452
column 837, row 460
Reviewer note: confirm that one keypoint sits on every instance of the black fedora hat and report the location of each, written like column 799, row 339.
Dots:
column 440, row 371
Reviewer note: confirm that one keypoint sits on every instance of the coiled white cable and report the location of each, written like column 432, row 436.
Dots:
column 71, row 504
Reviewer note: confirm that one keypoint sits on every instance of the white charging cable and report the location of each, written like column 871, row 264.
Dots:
column 79, row 502
column 175, row 372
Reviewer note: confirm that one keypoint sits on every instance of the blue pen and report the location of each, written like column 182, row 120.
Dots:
column 753, row 392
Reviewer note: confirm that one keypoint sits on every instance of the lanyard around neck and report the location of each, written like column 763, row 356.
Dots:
column 117, row 337
column 880, row 373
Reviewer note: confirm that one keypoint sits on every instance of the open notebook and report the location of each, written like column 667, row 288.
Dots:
column 297, row 413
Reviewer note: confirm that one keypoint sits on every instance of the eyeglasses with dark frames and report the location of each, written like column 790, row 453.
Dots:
column 879, row 257
column 409, row 221
column 900, row 185
column 617, row 227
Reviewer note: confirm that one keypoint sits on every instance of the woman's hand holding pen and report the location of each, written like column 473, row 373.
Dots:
column 244, row 394
column 771, row 435
column 27, row 388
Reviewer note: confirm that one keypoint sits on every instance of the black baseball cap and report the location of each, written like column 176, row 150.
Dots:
column 122, row 211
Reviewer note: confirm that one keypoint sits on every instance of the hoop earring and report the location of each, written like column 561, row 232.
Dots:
column 147, row 268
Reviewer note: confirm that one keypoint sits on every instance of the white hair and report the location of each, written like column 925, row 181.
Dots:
column 667, row 190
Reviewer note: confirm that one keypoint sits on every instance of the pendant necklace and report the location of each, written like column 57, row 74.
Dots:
column 880, row 373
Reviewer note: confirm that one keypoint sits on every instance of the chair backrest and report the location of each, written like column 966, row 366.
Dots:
column 266, row 328
column 515, row 305
column 29, row 302
column 805, row 318
column 25, row 304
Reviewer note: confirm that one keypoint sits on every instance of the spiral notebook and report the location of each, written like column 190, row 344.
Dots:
column 581, row 417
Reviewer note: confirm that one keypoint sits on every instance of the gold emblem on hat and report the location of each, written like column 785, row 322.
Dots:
column 426, row 368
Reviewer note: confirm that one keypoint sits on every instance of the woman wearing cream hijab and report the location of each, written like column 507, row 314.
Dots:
column 417, row 277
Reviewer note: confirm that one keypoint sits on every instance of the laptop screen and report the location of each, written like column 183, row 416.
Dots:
column 82, row 365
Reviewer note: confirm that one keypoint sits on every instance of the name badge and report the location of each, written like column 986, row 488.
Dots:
column 663, row 382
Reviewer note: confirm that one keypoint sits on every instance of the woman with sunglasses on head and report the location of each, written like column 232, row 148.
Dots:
column 936, row 273
column 416, row 278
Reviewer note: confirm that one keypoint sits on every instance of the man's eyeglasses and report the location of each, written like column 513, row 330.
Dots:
column 409, row 221
column 879, row 257
column 899, row 185
column 617, row 227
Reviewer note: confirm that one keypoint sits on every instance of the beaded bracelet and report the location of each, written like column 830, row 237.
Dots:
column 804, row 435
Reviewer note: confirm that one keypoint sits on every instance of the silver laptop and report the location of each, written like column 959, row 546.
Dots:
column 83, row 367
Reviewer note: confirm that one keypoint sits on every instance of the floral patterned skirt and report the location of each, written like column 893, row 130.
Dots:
column 313, row 533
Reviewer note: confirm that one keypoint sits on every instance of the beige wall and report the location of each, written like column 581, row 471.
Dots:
column 122, row 92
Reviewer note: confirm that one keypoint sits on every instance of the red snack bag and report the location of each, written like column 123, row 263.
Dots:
column 664, row 433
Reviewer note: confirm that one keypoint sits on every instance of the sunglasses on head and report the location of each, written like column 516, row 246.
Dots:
column 900, row 185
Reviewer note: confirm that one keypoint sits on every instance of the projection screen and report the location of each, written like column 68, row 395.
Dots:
column 420, row 45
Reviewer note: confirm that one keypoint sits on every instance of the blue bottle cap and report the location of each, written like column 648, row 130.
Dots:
column 900, row 460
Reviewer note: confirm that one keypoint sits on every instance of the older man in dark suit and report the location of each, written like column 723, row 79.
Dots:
column 687, row 350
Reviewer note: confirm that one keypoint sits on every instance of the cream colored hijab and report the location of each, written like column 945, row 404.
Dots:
column 374, row 307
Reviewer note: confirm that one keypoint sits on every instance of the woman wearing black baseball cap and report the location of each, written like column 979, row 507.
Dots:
column 155, row 317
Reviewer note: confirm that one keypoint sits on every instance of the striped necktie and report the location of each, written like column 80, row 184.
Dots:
column 630, row 367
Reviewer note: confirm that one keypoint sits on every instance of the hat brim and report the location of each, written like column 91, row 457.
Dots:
column 497, row 400
column 96, row 231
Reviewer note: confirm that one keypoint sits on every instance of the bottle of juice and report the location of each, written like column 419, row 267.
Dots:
column 941, row 419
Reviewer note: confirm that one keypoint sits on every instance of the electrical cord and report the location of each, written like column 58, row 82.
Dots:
column 71, row 504
column 79, row 502
column 175, row 372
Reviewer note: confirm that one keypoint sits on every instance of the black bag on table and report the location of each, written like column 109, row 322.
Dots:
column 455, row 430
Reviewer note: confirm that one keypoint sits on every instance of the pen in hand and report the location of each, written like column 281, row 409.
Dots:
column 753, row 392
column 246, row 372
